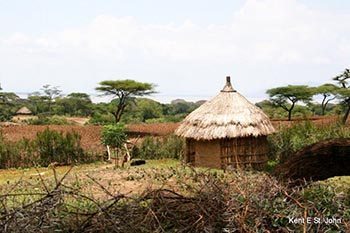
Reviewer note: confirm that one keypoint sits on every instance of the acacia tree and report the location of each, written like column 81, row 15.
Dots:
column 344, row 93
column 123, row 91
column 287, row 97
column 328, row 92
column 51, row 93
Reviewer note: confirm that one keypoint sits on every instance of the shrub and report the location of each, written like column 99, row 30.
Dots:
column 167, row 118
column 159, row 148
column 102, row 119
column 49, row 146
column 324, row 197
column 53, row 146
column 46, row 120
column 16, row 154
column 114, row 135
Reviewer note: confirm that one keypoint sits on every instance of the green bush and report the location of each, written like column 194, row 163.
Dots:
column 160, row 148
column 46, row 120
column 49, row 146
column 16, row 154
column 114, row 135
column 5, row 157
column 53, row 146
column 287, row 141
column 324, row 198
column 102, row 119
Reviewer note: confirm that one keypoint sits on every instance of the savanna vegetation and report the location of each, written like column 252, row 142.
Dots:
column 58, row 185
column 47, row 147
column 168, row 197
column 288, row 140
column 129, row 103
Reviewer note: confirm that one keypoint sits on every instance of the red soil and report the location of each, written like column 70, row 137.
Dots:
column 91, row 134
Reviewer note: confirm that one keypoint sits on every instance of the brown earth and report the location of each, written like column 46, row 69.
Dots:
column 156, row 129
column 91, row 134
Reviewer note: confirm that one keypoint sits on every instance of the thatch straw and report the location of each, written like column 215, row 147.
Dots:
column 24, row 111
column 228, row 115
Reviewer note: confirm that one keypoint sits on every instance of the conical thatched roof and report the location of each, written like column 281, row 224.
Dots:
column 24, row 111
column 228, row 115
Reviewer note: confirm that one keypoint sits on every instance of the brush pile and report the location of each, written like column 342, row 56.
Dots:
column 210, row 202
column 319, row 161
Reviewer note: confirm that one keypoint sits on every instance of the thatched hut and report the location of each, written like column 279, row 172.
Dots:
column 24, row 111
column 22, row 115
column 227, row 131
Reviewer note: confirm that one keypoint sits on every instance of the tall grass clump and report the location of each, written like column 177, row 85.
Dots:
column 48, row 120
column 53, row 146
column 160, row 148
column 288, row 140
column 14, row 154
column 47, row 147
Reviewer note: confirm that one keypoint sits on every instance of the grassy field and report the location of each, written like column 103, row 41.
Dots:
column 129, row 180
column 11, row 176
column 163, row 194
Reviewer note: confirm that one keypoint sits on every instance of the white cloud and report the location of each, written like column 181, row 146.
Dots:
column 263, row 32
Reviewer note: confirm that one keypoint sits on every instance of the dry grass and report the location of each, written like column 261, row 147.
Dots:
column 127, row 180
column 198, row 201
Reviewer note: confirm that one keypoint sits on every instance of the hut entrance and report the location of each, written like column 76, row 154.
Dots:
column 191, row 152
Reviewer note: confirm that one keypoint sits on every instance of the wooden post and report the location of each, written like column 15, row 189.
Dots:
column 109, row 153
column 117, row 158
column 127, row 156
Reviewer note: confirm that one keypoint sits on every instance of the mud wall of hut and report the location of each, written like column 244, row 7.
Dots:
column 228, row 153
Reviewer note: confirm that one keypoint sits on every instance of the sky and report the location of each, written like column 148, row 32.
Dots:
column 185, row 47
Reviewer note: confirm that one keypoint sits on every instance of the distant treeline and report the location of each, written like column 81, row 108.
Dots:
column 129, row 104
column 48, row 105
column 138, row 110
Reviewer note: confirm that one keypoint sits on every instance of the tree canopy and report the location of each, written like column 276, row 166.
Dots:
column 344, row 93
column 286, row 97
column 77, row 104
column 328, row 92
column 114, row 135
column 51, row 92
column 8, row 105
column 124, row 90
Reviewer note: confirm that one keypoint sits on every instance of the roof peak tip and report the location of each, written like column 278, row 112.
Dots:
column 228, row 87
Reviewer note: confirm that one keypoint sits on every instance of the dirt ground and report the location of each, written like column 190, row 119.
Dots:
column 91, row 134
column 91, row 177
